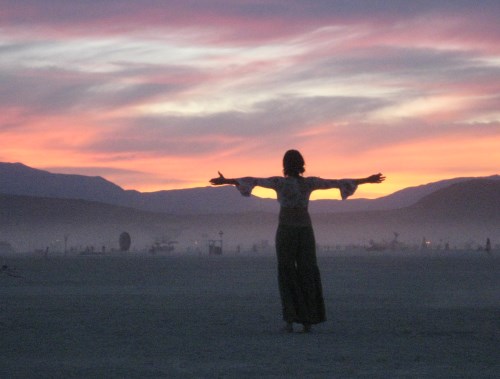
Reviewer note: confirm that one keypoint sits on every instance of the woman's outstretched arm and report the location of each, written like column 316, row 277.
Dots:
column 221, row 180
column 377, row 178
column 246, row 184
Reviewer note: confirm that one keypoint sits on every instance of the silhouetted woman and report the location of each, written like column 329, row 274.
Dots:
column 298, row 274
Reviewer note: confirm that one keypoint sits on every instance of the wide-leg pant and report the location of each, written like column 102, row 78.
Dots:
column 298, row 275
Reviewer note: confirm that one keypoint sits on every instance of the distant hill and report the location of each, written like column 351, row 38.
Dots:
column 18, row 209
column 464, row 211
column 473, row 199
column 19, row 179
column 399, row 199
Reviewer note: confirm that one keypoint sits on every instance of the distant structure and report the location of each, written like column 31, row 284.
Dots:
column 488, row 246
column 125, row 241
column 425, row 244
column 9, row 271
column 215, row 246
column 395, row 244
column 66, row 236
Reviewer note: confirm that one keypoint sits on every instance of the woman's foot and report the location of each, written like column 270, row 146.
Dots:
column 288, row 327
column 306, row 328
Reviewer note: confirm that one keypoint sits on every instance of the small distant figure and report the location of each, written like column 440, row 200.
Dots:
column 9, row 271
column 298, row 274
column 488, row 246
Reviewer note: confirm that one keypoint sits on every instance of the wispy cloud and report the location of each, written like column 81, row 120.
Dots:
column 125, row 89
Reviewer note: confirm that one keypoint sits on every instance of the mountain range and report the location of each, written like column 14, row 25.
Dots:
column 38, row 208
column 19, row 179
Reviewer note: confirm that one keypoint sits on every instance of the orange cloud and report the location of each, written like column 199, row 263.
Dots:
column 163, row 98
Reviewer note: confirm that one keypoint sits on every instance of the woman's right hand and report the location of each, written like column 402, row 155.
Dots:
column 218, row 181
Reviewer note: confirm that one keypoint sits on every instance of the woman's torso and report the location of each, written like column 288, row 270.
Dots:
column 293, row 195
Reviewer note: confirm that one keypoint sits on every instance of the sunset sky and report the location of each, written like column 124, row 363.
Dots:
column 156, row 95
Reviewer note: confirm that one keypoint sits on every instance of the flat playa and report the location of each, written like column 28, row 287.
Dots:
column 389, row 316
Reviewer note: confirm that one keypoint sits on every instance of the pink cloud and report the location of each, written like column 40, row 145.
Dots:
column 250, row 22
column 256, row 79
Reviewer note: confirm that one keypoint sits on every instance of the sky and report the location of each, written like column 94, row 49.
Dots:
column 159, row 95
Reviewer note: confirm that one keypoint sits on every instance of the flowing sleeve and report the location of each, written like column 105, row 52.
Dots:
column 246, row 185
column 347, row 187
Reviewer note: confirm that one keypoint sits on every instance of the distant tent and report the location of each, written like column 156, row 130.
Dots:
column 125, row 241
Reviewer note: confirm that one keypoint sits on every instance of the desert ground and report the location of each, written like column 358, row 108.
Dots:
column 390, row 315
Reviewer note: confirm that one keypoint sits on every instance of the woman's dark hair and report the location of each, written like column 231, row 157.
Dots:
column 293, row 163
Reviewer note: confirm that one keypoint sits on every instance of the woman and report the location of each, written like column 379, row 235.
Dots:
column 298, row 274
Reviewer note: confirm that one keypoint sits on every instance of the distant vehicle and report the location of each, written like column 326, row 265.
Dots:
column 89, row 250
column 395, row 244
column 162, row 247
column 9, row 271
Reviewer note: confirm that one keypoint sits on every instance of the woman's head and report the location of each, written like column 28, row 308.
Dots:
column 293, row 163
